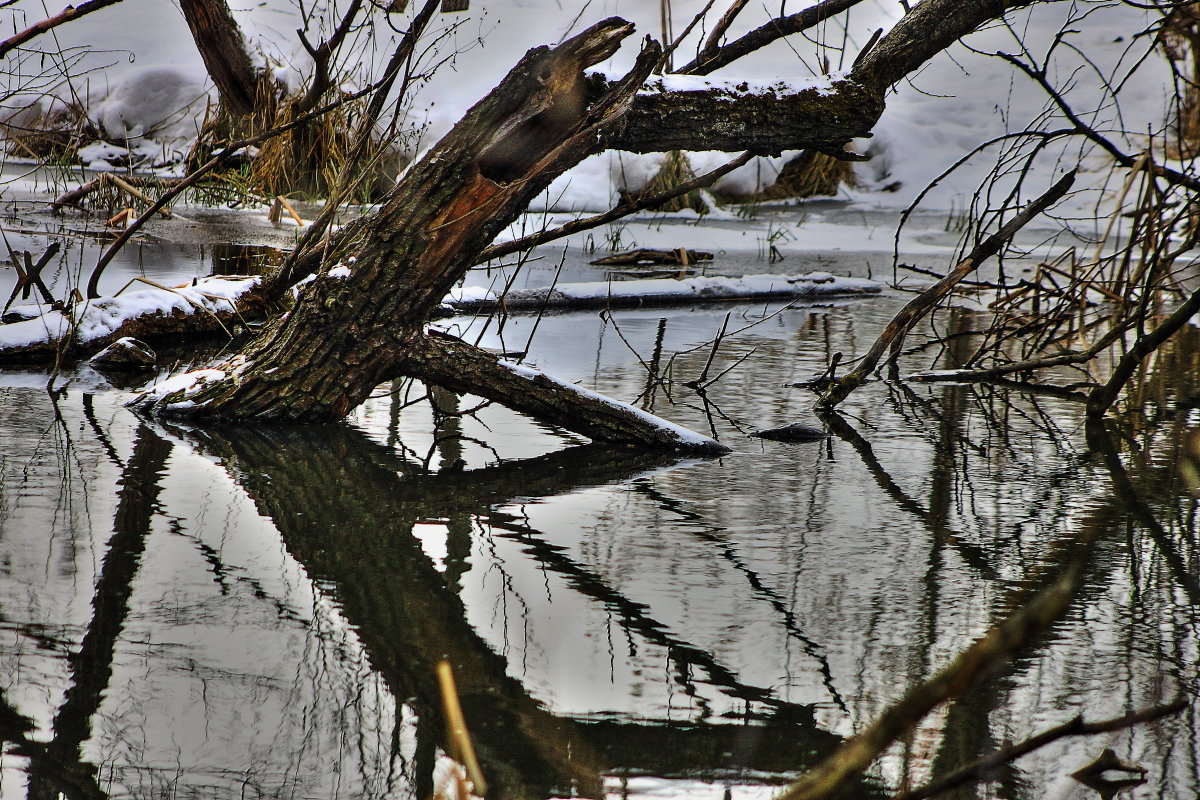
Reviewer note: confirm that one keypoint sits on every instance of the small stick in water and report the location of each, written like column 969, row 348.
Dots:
column 456, row 726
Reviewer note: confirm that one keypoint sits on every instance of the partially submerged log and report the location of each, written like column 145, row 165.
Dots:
column 796, row 432
column 661, row 292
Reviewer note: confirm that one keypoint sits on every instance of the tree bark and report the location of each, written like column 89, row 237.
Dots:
column 361, row 321
column 223, row 49
column 734, row 118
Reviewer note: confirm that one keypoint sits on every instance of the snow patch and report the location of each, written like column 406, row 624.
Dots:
column 180, row 387
column 96, row 318
column 341, row 271
column 160, row 102
column 658, row 84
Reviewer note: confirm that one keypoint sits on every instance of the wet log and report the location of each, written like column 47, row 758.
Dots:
column 796, row 432
column 154, row 314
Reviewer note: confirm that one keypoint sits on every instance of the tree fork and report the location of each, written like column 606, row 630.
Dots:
column 360, row 322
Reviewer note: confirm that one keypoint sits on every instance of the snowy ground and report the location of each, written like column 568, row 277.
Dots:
column 145, row 81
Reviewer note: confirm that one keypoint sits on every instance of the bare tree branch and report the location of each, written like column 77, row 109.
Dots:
column 622, row 210
column 922, row 304
column 66, row 15
column 712, row 58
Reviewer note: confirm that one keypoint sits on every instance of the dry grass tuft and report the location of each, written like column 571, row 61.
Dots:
column 675, row 170
column 810, row 174
column 55, row 134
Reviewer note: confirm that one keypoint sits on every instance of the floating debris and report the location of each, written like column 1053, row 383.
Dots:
column 796, row 432
column 680, row 255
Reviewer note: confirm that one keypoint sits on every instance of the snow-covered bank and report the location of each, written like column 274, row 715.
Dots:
column 145, row 85
column 216, row 301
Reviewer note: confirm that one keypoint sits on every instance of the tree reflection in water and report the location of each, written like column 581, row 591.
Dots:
column 360, row 709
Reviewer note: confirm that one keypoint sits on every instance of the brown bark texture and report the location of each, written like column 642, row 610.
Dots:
column 733, row 119
column 223, row 49
column 361, row 321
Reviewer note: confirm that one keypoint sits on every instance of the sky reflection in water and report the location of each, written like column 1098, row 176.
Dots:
column 244, row 612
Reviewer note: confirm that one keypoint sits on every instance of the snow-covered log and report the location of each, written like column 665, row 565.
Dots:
column 660, row 292
column 460, row 367
column 685, row 112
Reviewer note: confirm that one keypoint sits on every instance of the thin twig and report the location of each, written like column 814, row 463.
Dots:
column 982, row 769
column 622, row 210
column 917, row 308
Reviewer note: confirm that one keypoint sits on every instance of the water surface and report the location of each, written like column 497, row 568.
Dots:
column 257, row 612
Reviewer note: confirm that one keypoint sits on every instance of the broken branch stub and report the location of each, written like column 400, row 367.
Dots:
column 361, row 321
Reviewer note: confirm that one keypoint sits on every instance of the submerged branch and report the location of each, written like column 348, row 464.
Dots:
column 984, row 768
column 920, row 306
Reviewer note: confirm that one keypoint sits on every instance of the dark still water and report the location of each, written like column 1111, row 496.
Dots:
column 246, row 612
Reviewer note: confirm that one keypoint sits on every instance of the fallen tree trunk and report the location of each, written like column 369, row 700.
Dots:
column 361, row 322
